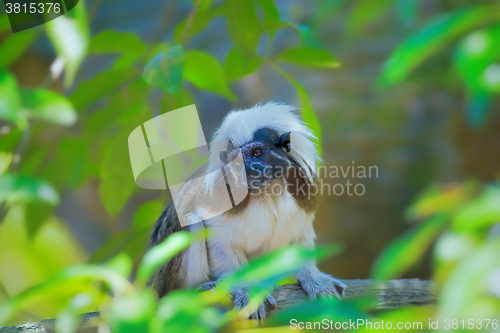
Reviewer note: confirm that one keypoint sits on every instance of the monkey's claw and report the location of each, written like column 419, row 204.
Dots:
column 241, row 298
column 321, row 285
column 208, row 285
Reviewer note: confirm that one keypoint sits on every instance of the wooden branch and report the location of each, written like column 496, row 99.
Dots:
column 390, row 294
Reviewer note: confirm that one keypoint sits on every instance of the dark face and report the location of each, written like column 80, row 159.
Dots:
column 265, row 157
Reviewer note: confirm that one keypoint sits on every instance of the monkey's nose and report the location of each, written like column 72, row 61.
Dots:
column 254, row 166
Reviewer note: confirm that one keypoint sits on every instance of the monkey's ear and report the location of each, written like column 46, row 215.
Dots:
column 284, row 142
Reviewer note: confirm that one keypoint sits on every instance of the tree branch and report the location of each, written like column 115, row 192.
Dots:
column 390, row 294
column 189, row 23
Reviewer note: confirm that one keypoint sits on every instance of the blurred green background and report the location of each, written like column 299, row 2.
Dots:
column 409, row 86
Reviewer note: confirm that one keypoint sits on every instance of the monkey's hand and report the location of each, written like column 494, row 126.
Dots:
column 319, row 284
column 241, row 297
column 209, row 285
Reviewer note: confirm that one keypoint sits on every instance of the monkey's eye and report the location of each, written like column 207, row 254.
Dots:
column 257, row 153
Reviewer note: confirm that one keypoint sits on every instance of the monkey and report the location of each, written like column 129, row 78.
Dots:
column 277, row 168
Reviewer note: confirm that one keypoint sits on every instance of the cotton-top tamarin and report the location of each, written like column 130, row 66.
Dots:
column 279, row 175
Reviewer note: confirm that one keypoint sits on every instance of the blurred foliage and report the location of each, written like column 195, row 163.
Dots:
column 52, row 141
column 59, row 139
column 131, row 307
column 459, row 225
column 463, row 217
column 473, row 33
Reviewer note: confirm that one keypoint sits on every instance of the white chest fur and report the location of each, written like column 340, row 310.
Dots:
column 266, row 224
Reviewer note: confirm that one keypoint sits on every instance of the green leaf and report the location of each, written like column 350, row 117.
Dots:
column 174, row 102
column 122, row 105
column 69, row 34
column 121, row 264
column 203, row 18
column 449, row 250
column 270, row 9
column 147, row 214
column 307, row 56
column 239, row 64
column 491, row 77
column 10, row 101
column 91, row 91
column 69, row 319
column 161, row 253
column 321, row 309
column 17, row 188
column 308, row 115
column 65, row 165
column 435, row 36
column 5, row 160
column 365, row 12
column 133, row 313
column 14, row 46
column 126, row 60
column 272, row 21
column 273, row 25
column 49, row 106
column 269, row 269
column 118, row 285
column 35, row 216
column 190, row 311
column 164, row 71
column 405, row 251
column 441, row 199
column 205, row 72
column 477, row 280
column 10, row 140
column 4, row 22
column 243, row 24
column 117, row 180
column 474, row 54
column 110, row 41
column 480, row 213
column 204, row 4
column 416, row 315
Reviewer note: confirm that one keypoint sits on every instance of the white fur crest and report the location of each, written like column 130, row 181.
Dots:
column 239, row 128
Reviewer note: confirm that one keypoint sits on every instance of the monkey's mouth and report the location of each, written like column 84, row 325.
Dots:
column 266, row 182
column 247, row 182
column 272, row 186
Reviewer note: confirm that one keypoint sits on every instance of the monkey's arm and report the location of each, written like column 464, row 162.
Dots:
column 314, row 282
column 188, row 268
column 225, row 257
column 169, row 276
